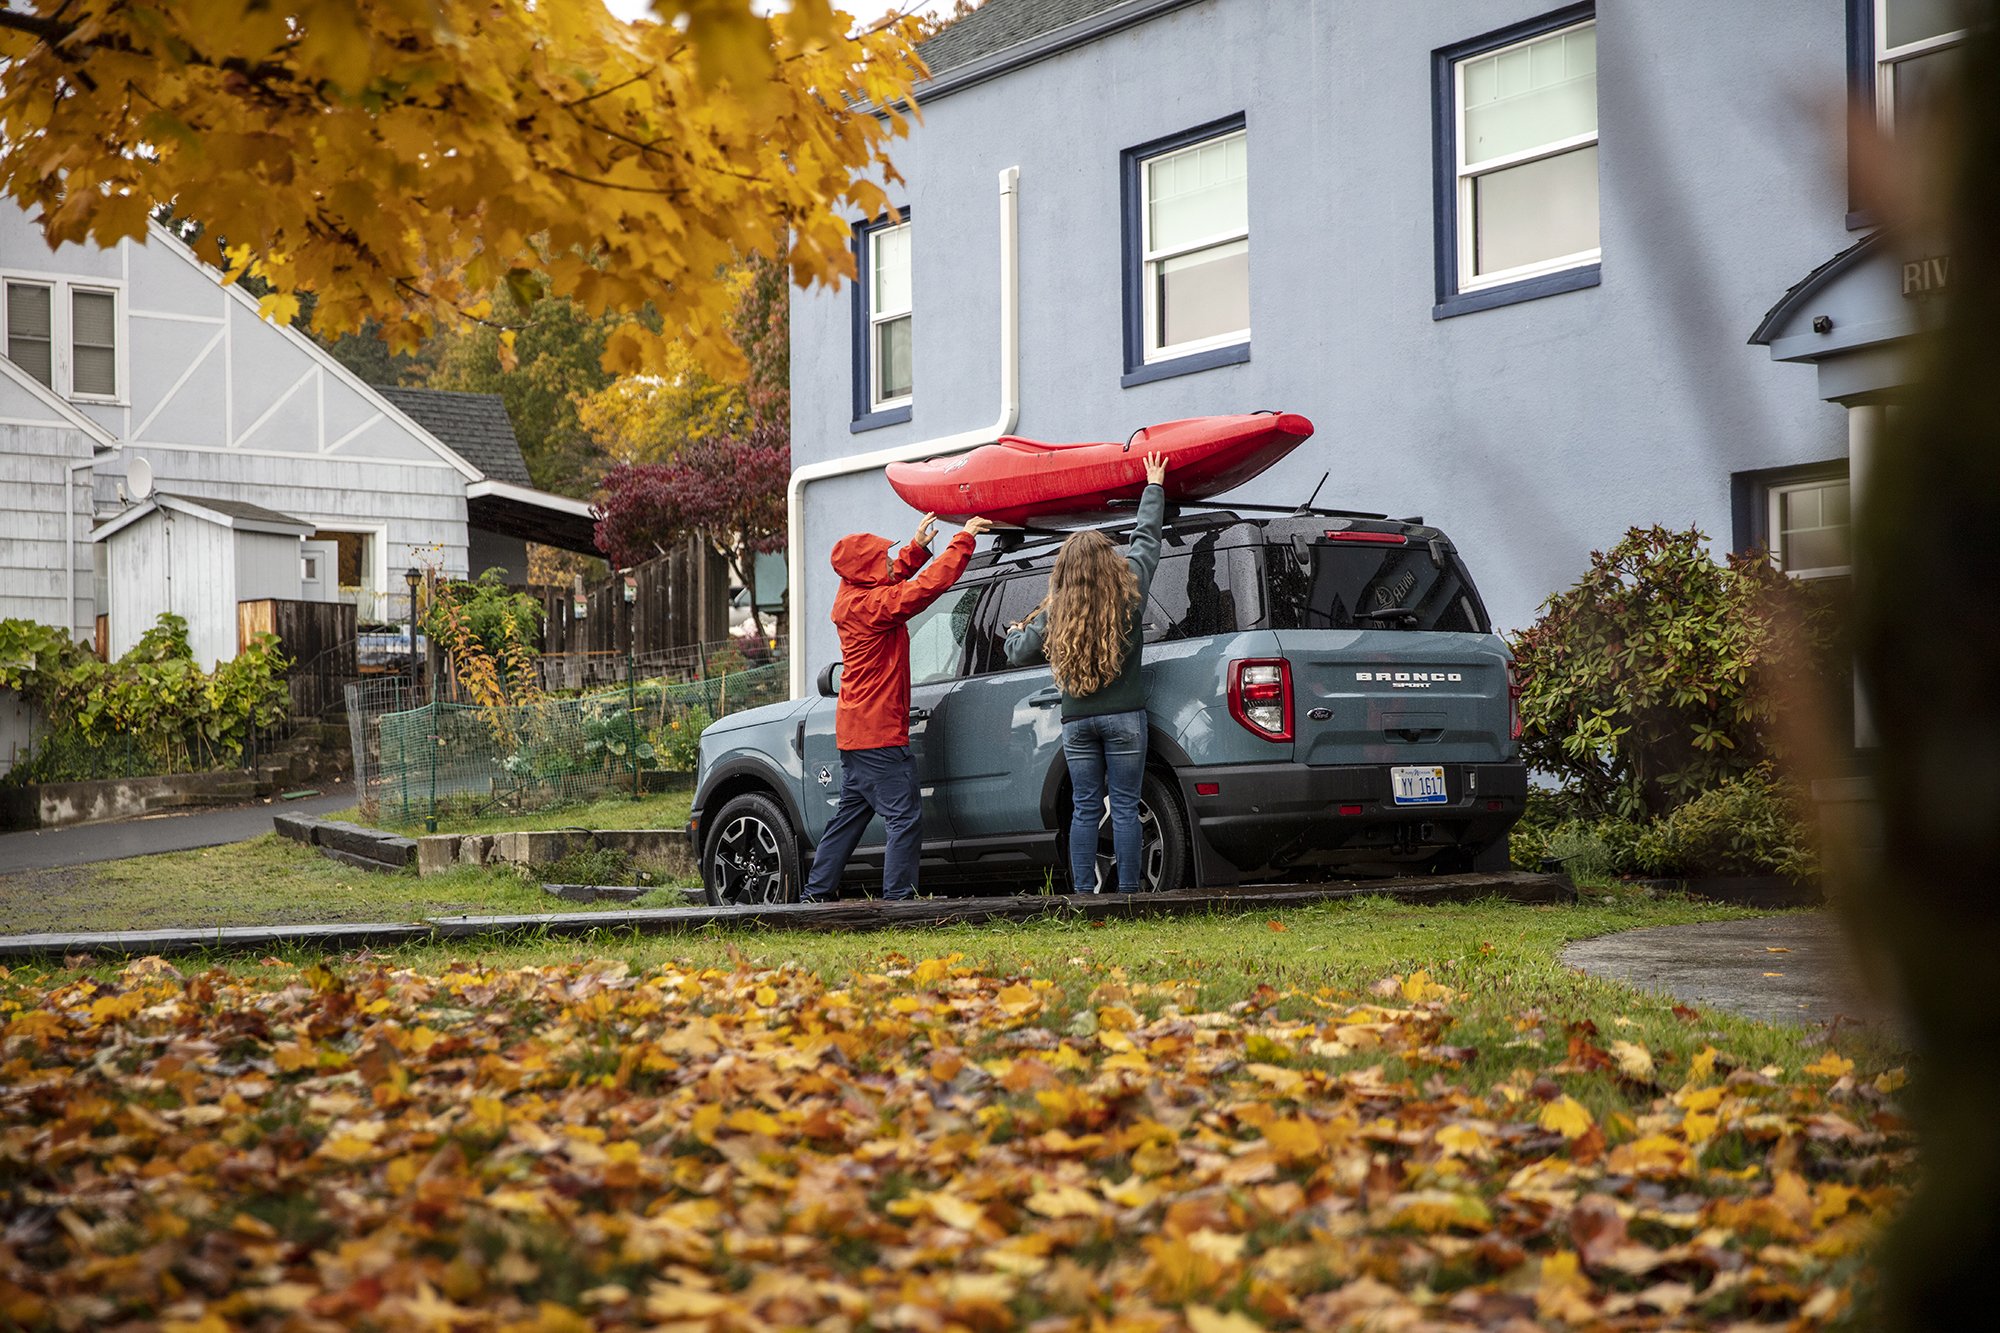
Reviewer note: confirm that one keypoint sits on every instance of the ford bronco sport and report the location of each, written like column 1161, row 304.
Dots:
column 1326, row 695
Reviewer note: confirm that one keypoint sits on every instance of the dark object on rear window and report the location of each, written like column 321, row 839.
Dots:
column 1327, row 585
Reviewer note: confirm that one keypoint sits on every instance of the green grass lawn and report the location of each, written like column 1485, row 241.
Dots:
column 659, row 810
column 265, row 881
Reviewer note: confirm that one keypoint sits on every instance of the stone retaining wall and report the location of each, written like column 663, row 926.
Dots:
column 664, row 850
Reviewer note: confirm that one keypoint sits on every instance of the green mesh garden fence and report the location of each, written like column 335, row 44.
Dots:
column 460, row 758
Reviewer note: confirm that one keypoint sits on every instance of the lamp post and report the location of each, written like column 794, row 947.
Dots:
column 414, row 578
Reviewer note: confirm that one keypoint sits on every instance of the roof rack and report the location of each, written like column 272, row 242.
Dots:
column 1015, row 538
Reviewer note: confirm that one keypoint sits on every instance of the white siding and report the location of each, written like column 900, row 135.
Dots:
column 267, row 565
column 44, row 517
column 178, row 563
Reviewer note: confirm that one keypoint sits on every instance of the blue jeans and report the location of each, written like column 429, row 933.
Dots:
column 873, row 782
column 1111, row 747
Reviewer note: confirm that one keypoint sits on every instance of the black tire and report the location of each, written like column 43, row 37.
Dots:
column 751, row 854
column 1165, row 849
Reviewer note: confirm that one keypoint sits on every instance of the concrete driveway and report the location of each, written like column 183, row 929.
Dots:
column 1782, row 969
column 81, row 844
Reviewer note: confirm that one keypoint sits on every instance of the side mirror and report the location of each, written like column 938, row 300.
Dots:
column 829, row 680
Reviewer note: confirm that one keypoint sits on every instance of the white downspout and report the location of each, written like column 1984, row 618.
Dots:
column 1010, row 413
column 69, row 536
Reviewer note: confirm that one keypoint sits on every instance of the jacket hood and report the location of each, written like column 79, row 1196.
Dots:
column 860, row 558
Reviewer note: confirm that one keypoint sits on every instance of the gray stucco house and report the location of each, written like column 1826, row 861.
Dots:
column 1509, row 256
column 110, row 358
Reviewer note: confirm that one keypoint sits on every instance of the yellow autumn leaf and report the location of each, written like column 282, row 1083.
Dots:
column 1293, row 1138
column 1565, row 1116
column 1831, row 1065
column 955, row 1212
column 1206, row 1319
column 1018, row 999
column 1463, row 1141
column 1064, row 1201
column 1634, row 1061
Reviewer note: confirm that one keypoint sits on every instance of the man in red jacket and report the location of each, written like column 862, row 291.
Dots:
column 871, row 724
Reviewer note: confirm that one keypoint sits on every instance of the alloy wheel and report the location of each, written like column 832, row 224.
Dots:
column 1152, row 851
column 747, row 866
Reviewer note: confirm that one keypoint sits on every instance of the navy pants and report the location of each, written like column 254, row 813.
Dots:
column 873, row 782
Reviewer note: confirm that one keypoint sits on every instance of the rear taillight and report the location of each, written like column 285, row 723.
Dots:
column 1260, row 696
column 1513, row 703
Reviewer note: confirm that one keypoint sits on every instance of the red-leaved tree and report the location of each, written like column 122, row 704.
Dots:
column 728, row 490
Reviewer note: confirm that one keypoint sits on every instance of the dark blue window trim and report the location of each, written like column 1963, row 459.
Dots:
column 1444, row 173
column 1137, row 369
column 1860, row 97
column 863, row 349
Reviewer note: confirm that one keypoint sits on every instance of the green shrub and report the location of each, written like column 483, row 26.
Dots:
column 1754, row 824
column 1663, row 673
column 488, row 609
column 679, row 741
column 151, row 711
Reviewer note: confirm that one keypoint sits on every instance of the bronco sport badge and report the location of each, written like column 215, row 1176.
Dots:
column 1410, row 680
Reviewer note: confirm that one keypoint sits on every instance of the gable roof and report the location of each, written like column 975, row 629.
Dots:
column 234, row 514
column 475, row 426
column 1003, row 35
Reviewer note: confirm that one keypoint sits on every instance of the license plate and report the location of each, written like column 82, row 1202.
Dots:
column 1418, row 785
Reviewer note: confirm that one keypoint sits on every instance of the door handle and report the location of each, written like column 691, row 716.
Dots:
column 1045, row 698
column 920, row 715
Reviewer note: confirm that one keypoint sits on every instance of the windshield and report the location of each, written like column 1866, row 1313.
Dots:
column 1340, row 585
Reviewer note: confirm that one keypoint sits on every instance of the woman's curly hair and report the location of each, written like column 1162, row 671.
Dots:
column 1092, row 596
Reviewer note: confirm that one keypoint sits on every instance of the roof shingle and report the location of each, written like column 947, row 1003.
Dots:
column 475, row 426
column 999, row 24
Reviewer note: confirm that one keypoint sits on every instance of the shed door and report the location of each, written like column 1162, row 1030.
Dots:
column 319, row 571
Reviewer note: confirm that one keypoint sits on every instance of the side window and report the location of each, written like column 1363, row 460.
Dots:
column 1191, row 595
column 1012, row 599
column 938, row 634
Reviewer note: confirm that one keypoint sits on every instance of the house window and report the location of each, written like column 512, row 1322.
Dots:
column 1917, row 54
column 1811, row 528
column 1196, row 246
column 889, row 317
column 1517, row 163
column 1187, row 251
column 884, row 325
column 30, row 317
column 93, row 326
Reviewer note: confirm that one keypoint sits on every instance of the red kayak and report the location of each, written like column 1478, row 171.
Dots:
column 1016, row 481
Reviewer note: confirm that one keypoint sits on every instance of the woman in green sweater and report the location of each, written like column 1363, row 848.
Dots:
column 1089, row 630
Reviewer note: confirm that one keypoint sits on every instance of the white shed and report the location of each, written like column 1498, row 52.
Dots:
column 196, row 558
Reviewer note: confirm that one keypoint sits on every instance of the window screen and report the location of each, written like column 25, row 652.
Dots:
column 93, row 340
column 30, row 337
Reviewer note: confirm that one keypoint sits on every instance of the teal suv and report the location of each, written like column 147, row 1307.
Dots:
column 1326, row 696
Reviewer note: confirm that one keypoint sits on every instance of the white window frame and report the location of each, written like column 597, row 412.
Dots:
column 119, row 341
column 1468, row 174
column 1774, row 512
column 877, row 318
column 1887, row 58
column 62, row 355
column 1151, row 259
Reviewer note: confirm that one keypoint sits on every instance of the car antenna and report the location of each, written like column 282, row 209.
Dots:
column 1306, row 508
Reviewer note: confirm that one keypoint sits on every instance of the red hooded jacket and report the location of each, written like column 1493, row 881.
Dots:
column 874, row 601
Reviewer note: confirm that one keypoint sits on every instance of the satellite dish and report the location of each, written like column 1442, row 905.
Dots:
column 139, row 478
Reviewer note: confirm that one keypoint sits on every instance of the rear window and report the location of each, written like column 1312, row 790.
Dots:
column 1339, row 585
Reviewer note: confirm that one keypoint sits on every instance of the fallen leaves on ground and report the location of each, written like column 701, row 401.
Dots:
column 927, row 1148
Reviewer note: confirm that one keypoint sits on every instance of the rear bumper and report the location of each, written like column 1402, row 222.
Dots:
column 1267, row 817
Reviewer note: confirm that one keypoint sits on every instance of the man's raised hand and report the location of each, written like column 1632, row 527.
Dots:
column 977, row 526
column 926, row 529
column 1156, row 469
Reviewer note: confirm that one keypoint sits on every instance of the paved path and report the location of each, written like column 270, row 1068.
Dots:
column 1783, row 969
column 80, row 844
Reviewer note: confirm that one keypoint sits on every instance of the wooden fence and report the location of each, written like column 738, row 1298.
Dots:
column 674, row 600
column 319, row 637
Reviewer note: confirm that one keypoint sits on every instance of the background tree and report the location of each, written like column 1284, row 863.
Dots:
column 728, row 490
column 407, row 159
